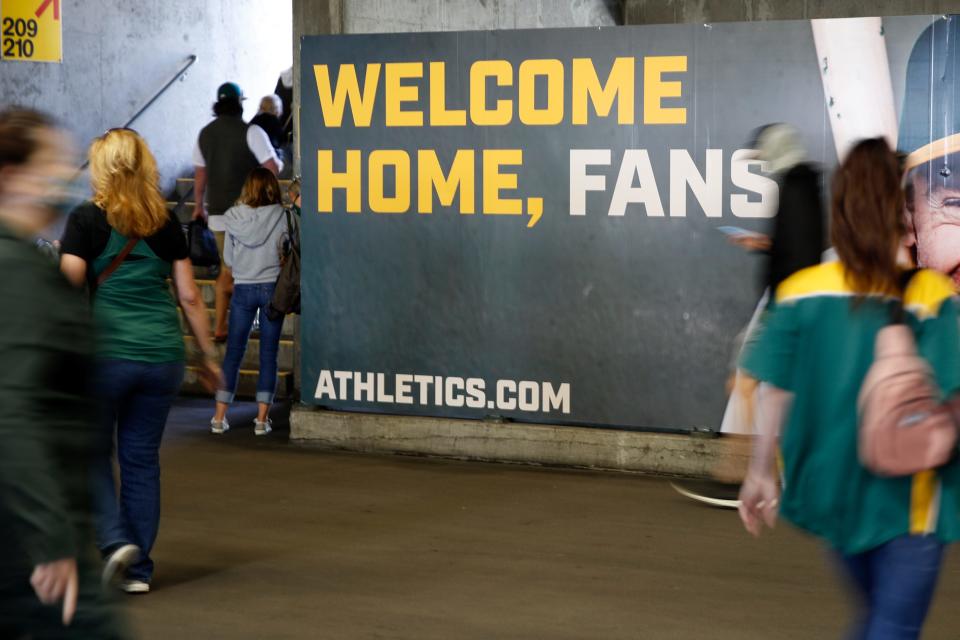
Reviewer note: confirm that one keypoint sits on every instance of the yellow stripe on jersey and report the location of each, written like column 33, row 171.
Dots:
column 922, row 491
column 927, row 291
column 825, row 279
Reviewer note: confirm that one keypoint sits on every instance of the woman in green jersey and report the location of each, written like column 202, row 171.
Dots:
column 811, row 355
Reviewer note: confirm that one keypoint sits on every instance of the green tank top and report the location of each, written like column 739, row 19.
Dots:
column 134, row 311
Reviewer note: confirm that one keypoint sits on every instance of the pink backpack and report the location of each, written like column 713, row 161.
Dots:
column 902, row 430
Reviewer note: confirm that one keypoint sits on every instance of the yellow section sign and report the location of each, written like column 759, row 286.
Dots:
column 30, row 30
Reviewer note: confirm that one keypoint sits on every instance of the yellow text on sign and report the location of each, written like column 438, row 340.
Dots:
column 30, row 30
column 409, row 87
column 391, row 191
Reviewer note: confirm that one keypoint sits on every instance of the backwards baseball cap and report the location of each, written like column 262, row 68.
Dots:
column 230, row 90
column 930, row 121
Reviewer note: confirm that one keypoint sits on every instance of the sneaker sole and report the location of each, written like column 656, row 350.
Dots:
column 723, row 503
column 262, row 432
column 136, row 590
column 118, row 562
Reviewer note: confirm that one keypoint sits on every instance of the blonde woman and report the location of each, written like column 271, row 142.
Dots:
column 124, row 245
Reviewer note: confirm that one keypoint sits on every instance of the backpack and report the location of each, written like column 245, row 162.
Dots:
column 286, row 296
column 902, row 428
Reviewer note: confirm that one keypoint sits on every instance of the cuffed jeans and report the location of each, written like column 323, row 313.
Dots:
column 895, row 583
column 135, row 401
column 247, row 300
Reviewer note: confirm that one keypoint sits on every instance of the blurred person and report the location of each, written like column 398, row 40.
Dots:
column 268, row 119
column 255, row 231
column 284, row 90
column 293, row 194
column 811, row 356
column 49, row 570
column 124, row 245
column 226, row 151
column 796, row 240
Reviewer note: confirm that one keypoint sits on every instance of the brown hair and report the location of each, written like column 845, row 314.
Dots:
column 261, row 189
column 867, row 217
column 18, row 135
column 125, row 183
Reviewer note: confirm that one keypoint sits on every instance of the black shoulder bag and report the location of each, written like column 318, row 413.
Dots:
column 286, row 296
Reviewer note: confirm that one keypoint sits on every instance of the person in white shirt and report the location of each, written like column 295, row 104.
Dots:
column 227, row 150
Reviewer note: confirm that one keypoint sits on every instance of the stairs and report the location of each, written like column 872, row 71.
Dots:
column 182, row 206
column 183, row 202
column 247, row 383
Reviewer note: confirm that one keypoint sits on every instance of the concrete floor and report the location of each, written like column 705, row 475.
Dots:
column 262, row 540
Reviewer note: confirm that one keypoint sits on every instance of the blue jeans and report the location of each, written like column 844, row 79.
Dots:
column 895, row 584
column 247, row 300
column 135, row 401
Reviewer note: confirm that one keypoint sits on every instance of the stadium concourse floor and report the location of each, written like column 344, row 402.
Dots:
column 263, row 540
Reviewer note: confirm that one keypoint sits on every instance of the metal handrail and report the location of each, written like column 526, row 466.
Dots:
column 179, row 74
column 190, row 60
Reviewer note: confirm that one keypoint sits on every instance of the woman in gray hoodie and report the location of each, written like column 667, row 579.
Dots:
column 255, row 229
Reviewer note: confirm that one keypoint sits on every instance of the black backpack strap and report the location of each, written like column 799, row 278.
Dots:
column 293, row 228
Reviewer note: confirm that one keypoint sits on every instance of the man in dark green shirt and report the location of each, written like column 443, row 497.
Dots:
column 49, row 568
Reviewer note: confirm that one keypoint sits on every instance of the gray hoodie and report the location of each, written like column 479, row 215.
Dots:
column 252, row 244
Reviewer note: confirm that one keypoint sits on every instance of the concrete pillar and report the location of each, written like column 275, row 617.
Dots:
column 310, row 17
column 670, row 11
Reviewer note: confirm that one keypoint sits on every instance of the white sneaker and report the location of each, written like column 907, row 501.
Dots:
column 118, row 561
column 219, row 428
column 262, row 428
column 135, row 586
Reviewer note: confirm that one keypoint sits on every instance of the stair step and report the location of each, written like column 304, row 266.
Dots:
column 207, row 290
column 184, row 211
column 184, row 186
column 208, row 294
column 246, row 384
column 286, row 333
column 206, row 286
column 187, row 183
column 251, row 357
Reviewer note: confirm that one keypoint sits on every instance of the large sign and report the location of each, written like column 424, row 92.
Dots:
column 31, row 30
column 526, row 224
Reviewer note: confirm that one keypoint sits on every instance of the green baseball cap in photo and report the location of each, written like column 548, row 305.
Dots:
column 230, row 90
column 930, row 121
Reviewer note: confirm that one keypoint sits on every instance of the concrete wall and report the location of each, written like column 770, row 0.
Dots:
column 677, row 455
column 378, row 16
column 677, row 11
column 117, row 53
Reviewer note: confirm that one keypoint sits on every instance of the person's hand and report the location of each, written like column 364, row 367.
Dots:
column 752, row 242
column 55, row 581
column 211, row 376
column 759, row 501
column 198, row 212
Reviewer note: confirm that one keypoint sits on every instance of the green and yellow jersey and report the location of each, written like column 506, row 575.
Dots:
column 817, row 341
